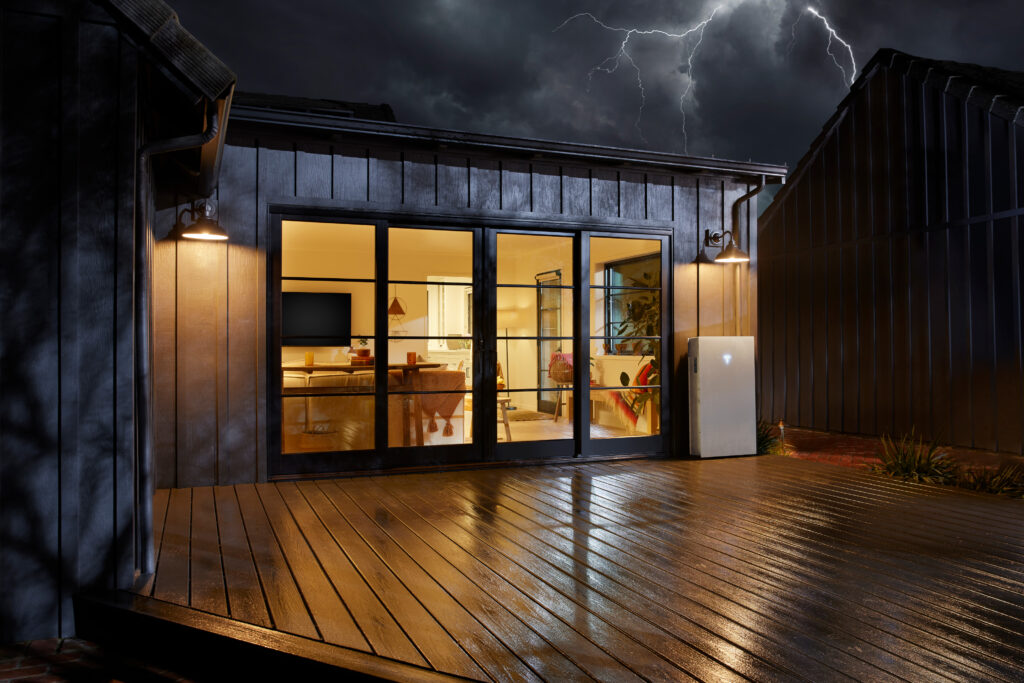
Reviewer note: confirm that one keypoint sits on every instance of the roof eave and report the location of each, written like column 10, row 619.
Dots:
column 242, row 114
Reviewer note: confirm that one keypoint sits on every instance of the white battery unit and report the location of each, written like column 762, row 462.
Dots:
column 723, row 418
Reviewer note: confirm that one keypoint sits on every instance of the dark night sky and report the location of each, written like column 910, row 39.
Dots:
column 498, row 67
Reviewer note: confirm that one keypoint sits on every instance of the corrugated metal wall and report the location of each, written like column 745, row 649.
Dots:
column 67, row 173
column 210, row 300
column 890, row 275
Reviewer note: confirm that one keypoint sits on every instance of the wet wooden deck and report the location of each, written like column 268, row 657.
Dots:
column 753, row 568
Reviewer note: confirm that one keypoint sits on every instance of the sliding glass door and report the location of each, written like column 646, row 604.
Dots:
column 398, row 346
column 578, row 338
column 533, row 333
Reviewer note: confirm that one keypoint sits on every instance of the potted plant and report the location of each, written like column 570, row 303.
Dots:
column 643, row 319
column 363, row 349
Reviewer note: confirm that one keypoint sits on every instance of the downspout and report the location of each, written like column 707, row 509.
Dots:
column 735, row 237
column 143, row 379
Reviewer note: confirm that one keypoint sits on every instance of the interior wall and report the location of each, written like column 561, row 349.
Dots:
column 210, row 329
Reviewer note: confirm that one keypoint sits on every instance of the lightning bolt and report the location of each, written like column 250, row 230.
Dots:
column 833, row 36
column 611, row 63
column 792, row 40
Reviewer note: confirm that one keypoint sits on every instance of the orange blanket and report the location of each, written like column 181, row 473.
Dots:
column 442, row 404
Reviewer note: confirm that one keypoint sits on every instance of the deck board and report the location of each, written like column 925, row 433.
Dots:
column 160, row 499
column 485, row 592
column 284, row 600
column 764, row 569
column 868, row 609
column 171, row 580
column 245, row 594
column 438, row 647
column 332, row 618
column 377, row 625
column 489, row 652
column 206, row 587
column 474, row 556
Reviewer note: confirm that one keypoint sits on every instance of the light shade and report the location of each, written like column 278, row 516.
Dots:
column 396, row 308
column 732, row 254
column 203, row 229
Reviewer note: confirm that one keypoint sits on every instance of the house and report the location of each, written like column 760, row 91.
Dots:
column 491, row 262
column 491, row 278
column 94, row 97
column 890, row 281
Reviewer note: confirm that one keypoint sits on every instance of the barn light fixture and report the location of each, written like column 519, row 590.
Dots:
column 731, row 253
column 204, row 223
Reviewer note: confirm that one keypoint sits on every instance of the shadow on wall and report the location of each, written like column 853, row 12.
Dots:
column 62, row 529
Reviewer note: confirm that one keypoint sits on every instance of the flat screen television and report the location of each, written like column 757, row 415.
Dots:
column 316, row 319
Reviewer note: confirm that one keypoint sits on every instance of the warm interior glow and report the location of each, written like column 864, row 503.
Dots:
column 430, row 295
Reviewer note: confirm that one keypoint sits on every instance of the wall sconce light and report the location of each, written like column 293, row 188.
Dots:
column 731, row 253
column 204, row 223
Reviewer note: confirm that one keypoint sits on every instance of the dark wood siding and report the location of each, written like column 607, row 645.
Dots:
column 67, row 212
column 210, row 418
column 918, row 261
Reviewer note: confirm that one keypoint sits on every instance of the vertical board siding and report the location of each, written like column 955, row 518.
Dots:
column 351, row 172
column 419, row 177
column 485, row 184
column 914, row 318
column 210, row 336
column 515, row 186
column 67, row 192
column 313, row 169
column 239, row 432
column 546, row 187
column 452, row 181
column 576, row 196
column 30, row 429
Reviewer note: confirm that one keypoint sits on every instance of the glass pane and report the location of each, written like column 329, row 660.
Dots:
column 420, row 255
column 326, row 423
column 532, row 312
column 529, row 364
column 529, row 259
column 334, row 250
column 616, row 413
column 622, row 261
column 429, row 419
column 532, row 416
column 430, row 310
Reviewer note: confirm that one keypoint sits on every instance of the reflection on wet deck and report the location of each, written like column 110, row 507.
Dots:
column 758, row 568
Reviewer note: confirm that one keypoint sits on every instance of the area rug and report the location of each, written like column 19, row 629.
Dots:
column 525, row 415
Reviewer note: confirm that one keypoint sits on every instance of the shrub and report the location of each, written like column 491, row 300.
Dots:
column 911, row 459
column 1008, row 479
column 768, row 442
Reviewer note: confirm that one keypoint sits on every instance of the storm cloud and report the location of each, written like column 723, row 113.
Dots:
column 761, row 90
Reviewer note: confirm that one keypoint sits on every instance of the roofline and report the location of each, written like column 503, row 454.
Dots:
column 889, row 58
column 242, row 114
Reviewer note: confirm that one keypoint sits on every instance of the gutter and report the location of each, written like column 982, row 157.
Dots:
column 735, row 232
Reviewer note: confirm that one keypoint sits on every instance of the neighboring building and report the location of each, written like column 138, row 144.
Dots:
column 488, row 239
column 89, row 93
column 890, row 281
